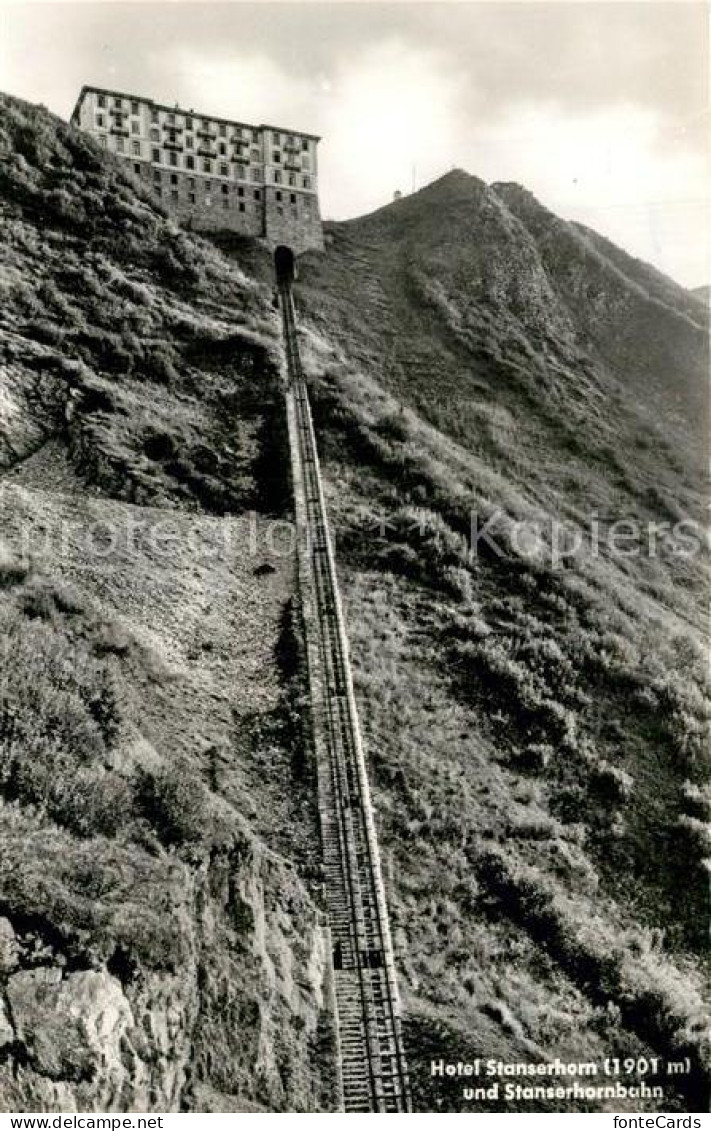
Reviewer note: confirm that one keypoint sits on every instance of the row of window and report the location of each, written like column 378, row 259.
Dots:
column 190, row 143
column 242, row 205
column 130, row 105
column 207, row 165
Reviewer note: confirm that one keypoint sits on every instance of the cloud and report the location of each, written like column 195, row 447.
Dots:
column 393, row 109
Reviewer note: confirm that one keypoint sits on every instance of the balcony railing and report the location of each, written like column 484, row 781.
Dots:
column 211, row 134
column 119, row 130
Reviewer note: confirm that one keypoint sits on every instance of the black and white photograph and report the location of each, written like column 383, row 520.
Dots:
column 354, row 561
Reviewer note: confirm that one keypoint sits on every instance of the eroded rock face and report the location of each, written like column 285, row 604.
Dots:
column 244, row 1022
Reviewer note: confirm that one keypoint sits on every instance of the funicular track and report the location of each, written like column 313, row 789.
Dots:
column 373, row 1067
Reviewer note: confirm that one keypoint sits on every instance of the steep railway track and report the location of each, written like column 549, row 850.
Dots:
column 373, row 1066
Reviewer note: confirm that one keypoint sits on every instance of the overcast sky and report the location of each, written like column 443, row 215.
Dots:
column 601, row 109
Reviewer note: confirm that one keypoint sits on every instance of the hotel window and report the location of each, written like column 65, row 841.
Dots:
column 118, row 103
column 189, row 142
column 155, row 154
column 173, row 178
column 277, row 158
column 241, row 172
column 135, row 127
column 277, row 177
column 101, row 101
column 137, row 168
column 255, row 154
column 255, row 174
column 119, row 121
column 257, row 194
column 134, row 107
column 307, row 182
column 155, row 135
column 188, row 123
column 223, row 129
column 304, row 143
column 173, row 157
column 100, row 121
column 224, row 171
column 154, row 115
column 189, row 162
column 255, row 135
column 157, row 176
column 291, row 139
column 225, row 190
column 120, row 146
column 174, row 193
column 222, row 148
column 241, row 207
column 205, row 124
column 276, row 137
column 136, row 148
column 191, row 197
column 208, row 187
column 240, row 191
column 292, row 180
column 171, row 137
column 292, row 197
column 191, row 183
column 171, row 119
column 278, row 195
column 207, row 165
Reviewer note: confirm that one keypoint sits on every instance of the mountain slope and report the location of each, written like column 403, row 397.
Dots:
column 535, row 714
column 535, row 698
column 159, row 946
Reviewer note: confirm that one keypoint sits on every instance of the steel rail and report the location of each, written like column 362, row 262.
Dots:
column 373, row 1065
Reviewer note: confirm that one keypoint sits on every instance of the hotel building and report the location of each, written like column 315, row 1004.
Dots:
column 213, row 174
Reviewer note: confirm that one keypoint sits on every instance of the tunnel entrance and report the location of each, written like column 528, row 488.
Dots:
column 284, row 265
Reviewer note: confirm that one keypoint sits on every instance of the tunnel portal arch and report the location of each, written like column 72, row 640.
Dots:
column 284, row 265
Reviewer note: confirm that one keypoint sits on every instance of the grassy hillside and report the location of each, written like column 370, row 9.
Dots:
column 159, row 948
column 536, row 724
column 537, row 728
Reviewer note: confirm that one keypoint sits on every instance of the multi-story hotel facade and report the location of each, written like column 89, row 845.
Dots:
column 212, row 173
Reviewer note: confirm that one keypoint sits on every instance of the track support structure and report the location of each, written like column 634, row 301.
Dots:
column 373, row 1068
